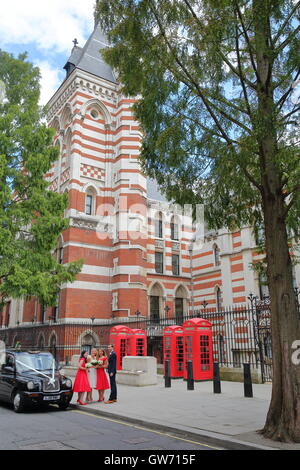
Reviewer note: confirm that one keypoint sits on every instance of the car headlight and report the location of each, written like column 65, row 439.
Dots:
column 30, row 385
column 68, row 383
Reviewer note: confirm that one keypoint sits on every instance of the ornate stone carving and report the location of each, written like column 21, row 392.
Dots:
column 159, row 244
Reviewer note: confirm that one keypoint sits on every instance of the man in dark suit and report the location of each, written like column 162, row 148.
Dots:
column 112, row 370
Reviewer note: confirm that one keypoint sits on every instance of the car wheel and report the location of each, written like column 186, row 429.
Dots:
column 18, row 402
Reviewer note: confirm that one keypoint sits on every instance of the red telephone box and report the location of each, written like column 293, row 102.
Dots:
column 138, row 345
column 120, row 337
column 197, row 340
column 173, row 350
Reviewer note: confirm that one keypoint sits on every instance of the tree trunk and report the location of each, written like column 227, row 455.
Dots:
column 283, row 419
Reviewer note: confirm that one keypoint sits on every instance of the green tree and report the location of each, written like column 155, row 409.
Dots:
column 31, row 216
column 215, row 80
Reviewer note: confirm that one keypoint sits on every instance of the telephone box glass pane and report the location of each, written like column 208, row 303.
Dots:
column 167, row 348
column 179, row 354
column 140, row 347
column 189, row 348
column 204, row 353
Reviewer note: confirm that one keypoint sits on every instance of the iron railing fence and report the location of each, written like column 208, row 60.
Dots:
column 241, row 334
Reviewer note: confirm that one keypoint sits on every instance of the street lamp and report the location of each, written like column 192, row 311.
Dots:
column 93, row 319
column 204, row 304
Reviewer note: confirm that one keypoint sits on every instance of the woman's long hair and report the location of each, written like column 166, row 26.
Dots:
column 82, row 356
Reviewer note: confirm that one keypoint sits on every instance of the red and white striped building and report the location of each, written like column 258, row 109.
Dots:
column 139, row 254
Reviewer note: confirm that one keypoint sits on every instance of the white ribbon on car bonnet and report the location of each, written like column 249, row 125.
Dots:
column 51, row 380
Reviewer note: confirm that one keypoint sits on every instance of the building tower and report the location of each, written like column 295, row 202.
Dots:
column 99, row 142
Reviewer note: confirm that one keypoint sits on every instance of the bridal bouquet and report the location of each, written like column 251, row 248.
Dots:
column 88, row 365
column 94, row 362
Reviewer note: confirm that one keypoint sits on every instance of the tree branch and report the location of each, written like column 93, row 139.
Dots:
column 287, row 40
column 238, row 73
column 286, row 116
column 282, row 28
column 240, row 69
column 247, row 39
column 284, row 97
column 196, row 86
column 205, row 101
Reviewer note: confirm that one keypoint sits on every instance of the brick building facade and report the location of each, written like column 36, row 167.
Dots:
column 139, row 255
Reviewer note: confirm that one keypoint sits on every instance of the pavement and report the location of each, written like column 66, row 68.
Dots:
column 228, row 419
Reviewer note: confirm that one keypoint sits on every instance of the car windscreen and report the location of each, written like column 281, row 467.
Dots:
column 26, row 362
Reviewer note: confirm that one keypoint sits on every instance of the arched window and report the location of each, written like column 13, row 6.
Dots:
column 218, row 295
column 55, row 165
column 175, row 264
column 174, row 228
column 88, row 343
column 159, row 262
column 180, row 304
column 156, row 303
column 68, row 149
column 159, row 225
column 216, row 253
column 90, row 201
column 55, row 125
column 66, row 116
column 41, row 343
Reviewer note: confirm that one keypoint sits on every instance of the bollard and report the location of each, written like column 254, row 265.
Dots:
column 167, row 375
column 217, row 381
column 190, row 376
column 248, row 392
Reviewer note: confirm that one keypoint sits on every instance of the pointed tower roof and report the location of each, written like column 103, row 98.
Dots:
column 89, row 58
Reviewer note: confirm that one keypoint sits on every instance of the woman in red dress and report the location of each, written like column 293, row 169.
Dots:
column 81, row 383
column 102, row 380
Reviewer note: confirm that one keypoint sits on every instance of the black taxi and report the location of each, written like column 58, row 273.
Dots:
column 32, row 378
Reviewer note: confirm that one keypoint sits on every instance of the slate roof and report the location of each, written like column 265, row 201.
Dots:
column 154, row 192
column 89, row 58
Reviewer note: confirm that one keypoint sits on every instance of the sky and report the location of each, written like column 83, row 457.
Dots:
column 45, row 30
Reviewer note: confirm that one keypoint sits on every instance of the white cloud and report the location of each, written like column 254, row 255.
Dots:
column 51, row 78
column 50, row 27
column 50, row 24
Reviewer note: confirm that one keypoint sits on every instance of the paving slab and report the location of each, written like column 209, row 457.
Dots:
column 229, row 415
